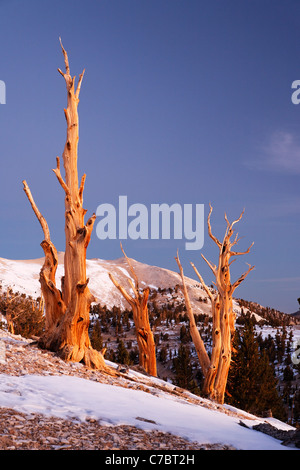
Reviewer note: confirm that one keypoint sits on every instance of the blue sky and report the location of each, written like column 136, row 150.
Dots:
column 183, row 101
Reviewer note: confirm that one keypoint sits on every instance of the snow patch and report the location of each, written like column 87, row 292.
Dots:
column 73, row 397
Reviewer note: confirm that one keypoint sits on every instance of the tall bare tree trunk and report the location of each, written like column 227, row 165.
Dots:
column 195, row 335
column 67, row 310
column 215, row 369
column 138, row 303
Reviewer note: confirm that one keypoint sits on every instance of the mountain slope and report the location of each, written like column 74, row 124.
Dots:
column 23, row 276
column 296, row 314
column 36, row 382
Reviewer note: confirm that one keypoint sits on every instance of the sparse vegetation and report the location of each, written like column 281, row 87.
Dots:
column 113, row 330
column 175, row 352
column 21, row 315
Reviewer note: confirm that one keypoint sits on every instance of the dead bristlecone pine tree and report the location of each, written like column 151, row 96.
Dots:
column 139, row 304
column 67, row 310
column 215, row 367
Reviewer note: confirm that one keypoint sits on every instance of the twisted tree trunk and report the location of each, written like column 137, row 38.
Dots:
column 144, row 335
column 67, row 310
column 215, row 369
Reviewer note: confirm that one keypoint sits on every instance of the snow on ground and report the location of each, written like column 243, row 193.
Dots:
column 73, row 397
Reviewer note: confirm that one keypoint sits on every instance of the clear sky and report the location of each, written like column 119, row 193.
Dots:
column 183, row 101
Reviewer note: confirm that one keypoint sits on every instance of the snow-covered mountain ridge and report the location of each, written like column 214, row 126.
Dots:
column 23, row 276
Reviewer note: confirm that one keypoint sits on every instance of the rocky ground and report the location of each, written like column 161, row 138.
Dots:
column 37, row 432
column 19, row 431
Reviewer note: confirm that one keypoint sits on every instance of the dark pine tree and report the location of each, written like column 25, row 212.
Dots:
column 122, row 356
column 184, row 371
column 182, row 366
column 252, row 381
column 96, row 336
column 296, row 408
